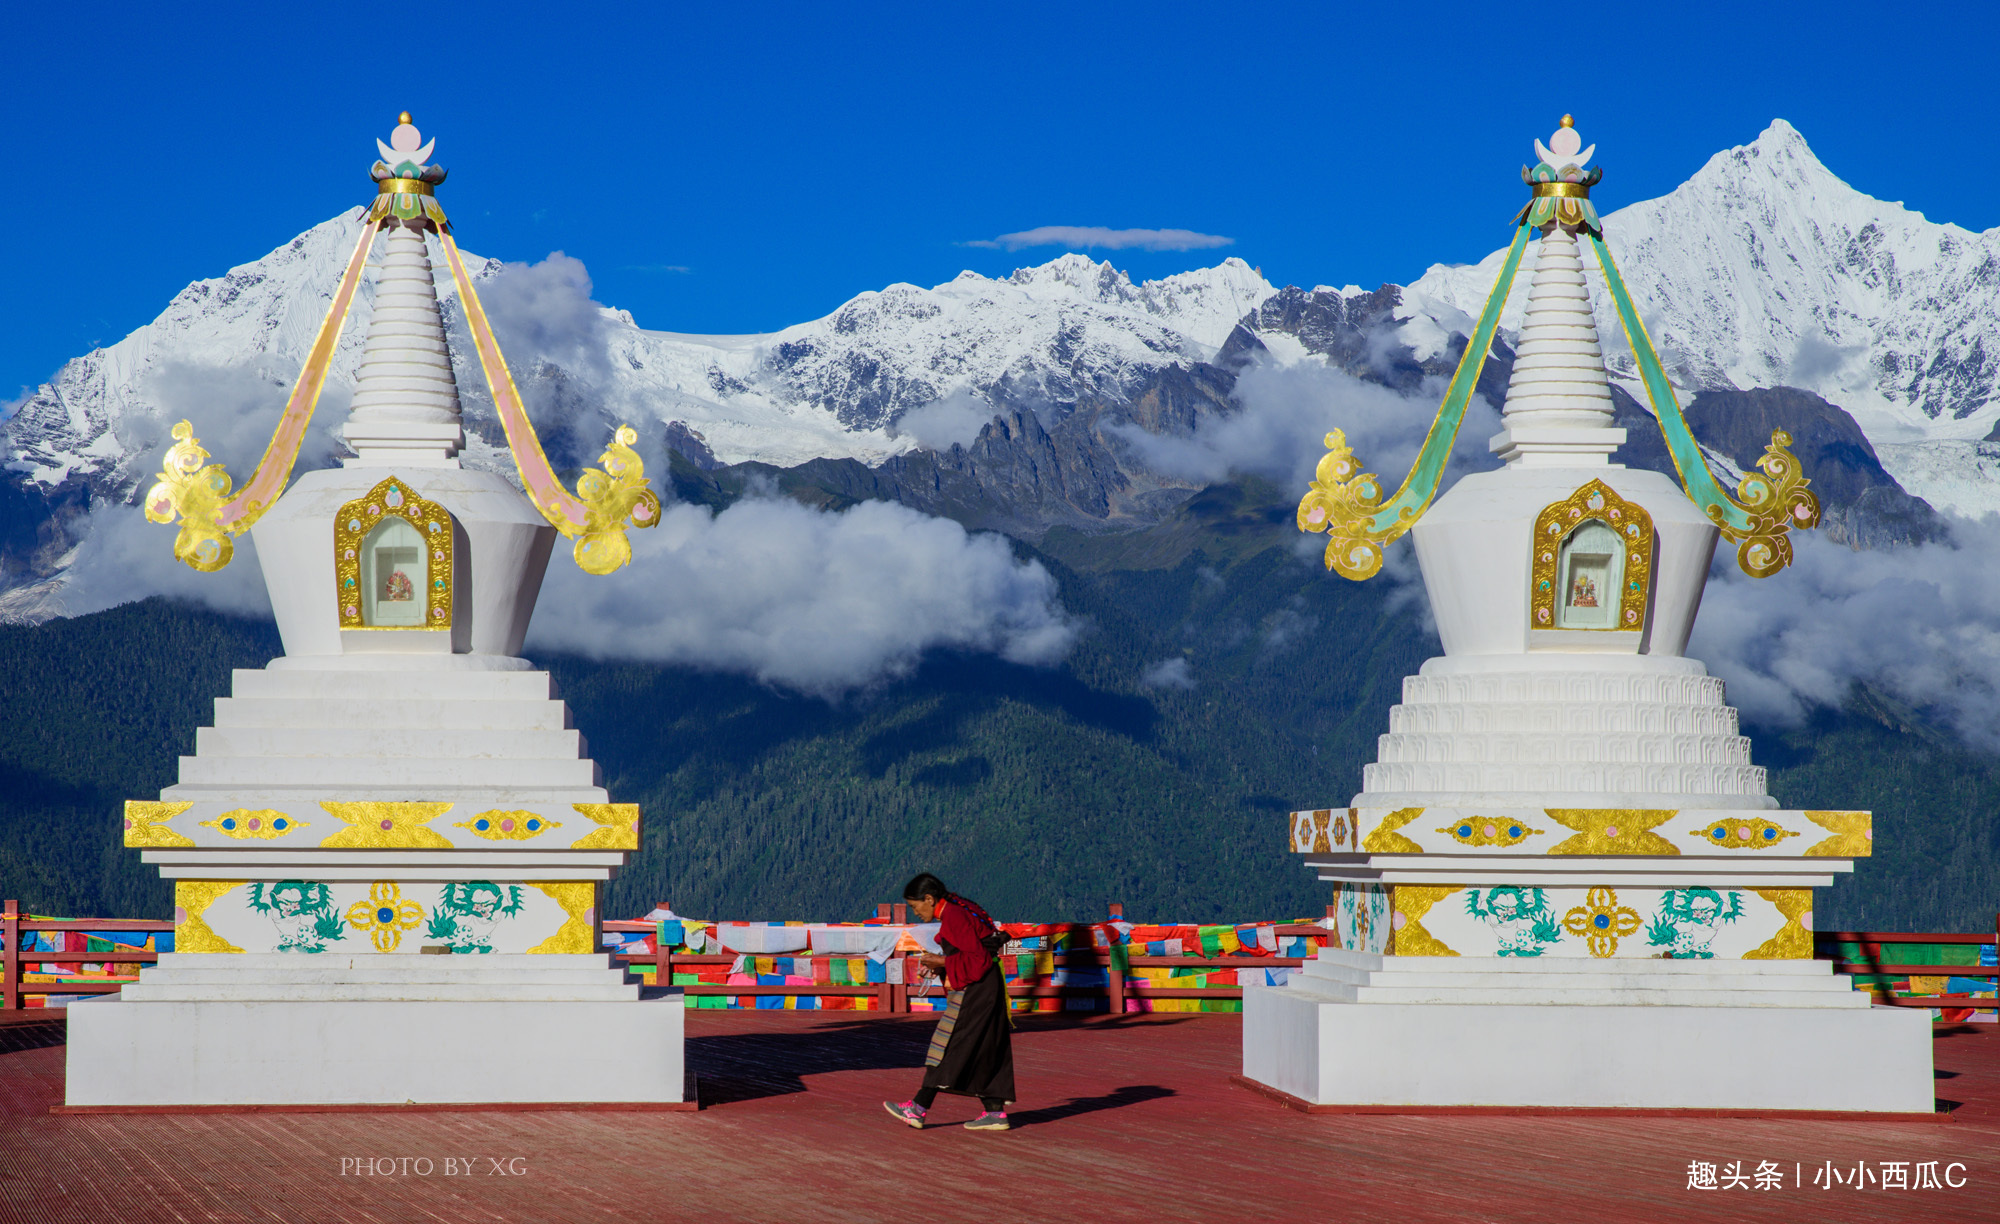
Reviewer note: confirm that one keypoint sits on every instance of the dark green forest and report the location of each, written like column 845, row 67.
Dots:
column 1047, row 793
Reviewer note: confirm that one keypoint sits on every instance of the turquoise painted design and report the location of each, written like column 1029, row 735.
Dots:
column 1701, row 485
column 1523, row 924
column 302, row 911
column 1399, row 512
column 466, row 914
column 1689, row 919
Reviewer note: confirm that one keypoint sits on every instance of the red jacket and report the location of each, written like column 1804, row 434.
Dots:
column 959, row 935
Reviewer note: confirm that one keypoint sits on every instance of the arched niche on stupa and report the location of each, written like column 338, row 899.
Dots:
column 394, row 553
column 1591, row 573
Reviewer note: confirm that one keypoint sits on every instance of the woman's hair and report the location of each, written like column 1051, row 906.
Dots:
column 924, row 886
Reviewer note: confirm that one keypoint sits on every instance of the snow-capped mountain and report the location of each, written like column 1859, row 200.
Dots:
column 831, row 388
column 1765, row 269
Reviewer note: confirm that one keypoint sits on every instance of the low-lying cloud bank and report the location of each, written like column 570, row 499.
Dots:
column 810, row 600
column 1286, row 411
column 1920, row 625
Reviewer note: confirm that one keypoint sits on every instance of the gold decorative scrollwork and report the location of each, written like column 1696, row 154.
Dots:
column 191, row 900
column 1775, row 502
column 394, row 498
column 1629, row 521
column 613, row 498
column 578, row 932
column 146, row 823
column 617, row 826
column 1385, row 840
column 1409, row 905
column 1794, row 939
column 1342, row 500
column 194, row 490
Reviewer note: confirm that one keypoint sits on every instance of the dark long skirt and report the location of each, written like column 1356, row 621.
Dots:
column 972, row 1051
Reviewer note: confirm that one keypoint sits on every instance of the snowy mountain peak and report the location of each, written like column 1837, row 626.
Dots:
column 1766, row 269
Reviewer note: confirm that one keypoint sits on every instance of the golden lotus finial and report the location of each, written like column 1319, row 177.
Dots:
column 405, row 118
column 1568, row 121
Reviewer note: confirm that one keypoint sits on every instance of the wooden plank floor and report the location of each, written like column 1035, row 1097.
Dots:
column 1131, row 1119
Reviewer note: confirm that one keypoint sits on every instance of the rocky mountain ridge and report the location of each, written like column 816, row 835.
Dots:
column 1011, row 403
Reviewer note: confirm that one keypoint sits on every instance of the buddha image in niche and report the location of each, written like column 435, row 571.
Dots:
column 398, row 587
column 1582, row 592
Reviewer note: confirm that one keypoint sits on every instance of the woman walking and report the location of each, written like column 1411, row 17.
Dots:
column 971, row 1053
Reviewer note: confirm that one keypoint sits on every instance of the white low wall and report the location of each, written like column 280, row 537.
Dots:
column 123, row 1052
column 1327, row 1052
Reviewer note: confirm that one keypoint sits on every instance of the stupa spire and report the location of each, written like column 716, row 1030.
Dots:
column 405, row 408
column 405, row 412
column 1558, row 408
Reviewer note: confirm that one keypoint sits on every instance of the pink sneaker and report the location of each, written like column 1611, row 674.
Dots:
column 910, row 1113
column 988, row 1121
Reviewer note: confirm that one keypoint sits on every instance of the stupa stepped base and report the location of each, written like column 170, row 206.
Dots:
column 182, row 977
column 329, row 1029
column 1364, row 977
column 1642, row 1035
column 1495, row 728
column 389, row 731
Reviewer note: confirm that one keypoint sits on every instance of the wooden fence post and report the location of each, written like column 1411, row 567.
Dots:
column 10, row 954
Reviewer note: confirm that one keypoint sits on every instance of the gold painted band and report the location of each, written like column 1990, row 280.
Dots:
column 1563, row 189
column 403, row 186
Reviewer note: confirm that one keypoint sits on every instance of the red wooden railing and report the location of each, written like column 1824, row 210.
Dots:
column 1872, row 964
column 13, row 924
column 895, row 996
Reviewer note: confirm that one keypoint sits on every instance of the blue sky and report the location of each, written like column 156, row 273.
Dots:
column 738, row 167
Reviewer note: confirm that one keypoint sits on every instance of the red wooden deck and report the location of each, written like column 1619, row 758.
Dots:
column 1122, row 1119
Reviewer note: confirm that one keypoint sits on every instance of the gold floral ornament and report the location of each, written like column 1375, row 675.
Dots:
column 194, row 490
column 1853, row 834
column 1775, row 502
column 191, row 900
column 617, row 826
column 385, row 825
column 1408, row 904
column 1593, row 501
column 393, row 498
column 262, row 823
column 499, row 825
column 1738, row 833
column 614, row 497
column 199, row 493
column 1486, row 831
column 1601, row 922
column 607, row 501
column 1384, row 839
column 1341, row 502
column 385, row 915
column 146, row 823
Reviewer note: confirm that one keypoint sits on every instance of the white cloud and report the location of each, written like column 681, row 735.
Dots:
column 810, row 600
column 1174, row 673
column 1286, row 411
column 1916, row 624
column 814, row 601
column 1097, row 236
column 941, row 424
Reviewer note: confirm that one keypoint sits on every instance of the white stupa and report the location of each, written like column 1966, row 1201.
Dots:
column 400, row 781
column 1563, row 882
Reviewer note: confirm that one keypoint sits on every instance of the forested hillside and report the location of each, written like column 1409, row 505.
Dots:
column 1046, row 792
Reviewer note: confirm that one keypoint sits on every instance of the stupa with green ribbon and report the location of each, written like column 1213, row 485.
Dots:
column 1563, row 881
